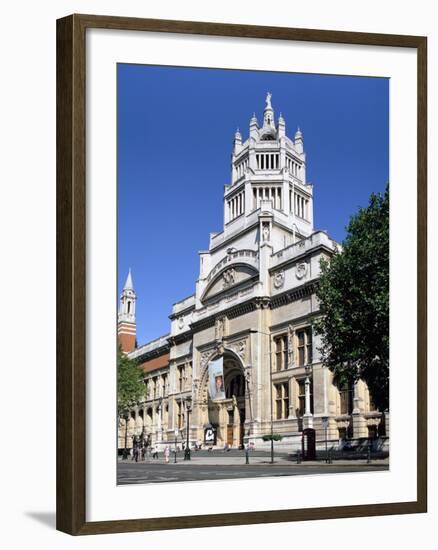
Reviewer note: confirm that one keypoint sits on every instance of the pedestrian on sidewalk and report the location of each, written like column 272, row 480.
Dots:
column 166, row 454
column 155, row 453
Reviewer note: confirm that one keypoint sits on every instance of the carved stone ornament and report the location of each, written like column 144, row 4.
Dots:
column 279, row 279
column 301, row 270
column 240, row 349
column 205, row 357
column 228, row 277
column 219, row 328
column 219, row 349
column 290, row 343
column 181, row 322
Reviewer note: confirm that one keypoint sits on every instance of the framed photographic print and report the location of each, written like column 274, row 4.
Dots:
column 241, row 274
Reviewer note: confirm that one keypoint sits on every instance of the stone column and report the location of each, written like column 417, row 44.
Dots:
column 160, row 422
column 236, row 425
column 308, row 417
column 359, row 423
column 292, row 397
column 154, row 426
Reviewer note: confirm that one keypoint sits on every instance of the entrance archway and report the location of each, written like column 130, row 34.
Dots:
column 227, row 415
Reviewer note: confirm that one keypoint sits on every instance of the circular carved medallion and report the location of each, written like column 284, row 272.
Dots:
column 279, row 279
column 301, row 270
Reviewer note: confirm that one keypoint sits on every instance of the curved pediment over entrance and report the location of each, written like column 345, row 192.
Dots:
column 233, row 275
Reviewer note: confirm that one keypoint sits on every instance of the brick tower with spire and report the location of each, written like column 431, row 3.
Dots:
column 127, row 328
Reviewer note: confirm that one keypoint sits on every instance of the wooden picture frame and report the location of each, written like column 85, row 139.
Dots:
column 71, row 273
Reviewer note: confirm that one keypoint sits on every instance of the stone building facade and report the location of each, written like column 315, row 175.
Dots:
column 255, row 306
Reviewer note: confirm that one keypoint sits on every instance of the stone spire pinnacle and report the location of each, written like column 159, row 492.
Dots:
column 128, row 284
column 298, row 141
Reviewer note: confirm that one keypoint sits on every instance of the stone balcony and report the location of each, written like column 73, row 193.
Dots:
column 317, row 239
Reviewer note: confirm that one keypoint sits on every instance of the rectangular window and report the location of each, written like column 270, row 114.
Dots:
column 372, row 404
column 281, row 400
column 278, row 354
column 153, row 388
column 281, row 352
column 346, row 392
column 301, row 398
column 180, row 379
column 301, row 348
column 305, row 347
column 278, row 401
column 286, row 399
column 309, row 346
column 180, row 415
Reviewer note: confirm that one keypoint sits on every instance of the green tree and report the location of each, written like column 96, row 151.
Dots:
column 354, row 301
column 130, row 388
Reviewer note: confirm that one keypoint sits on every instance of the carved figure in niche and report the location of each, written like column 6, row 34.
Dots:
column 265, row 231
column 219, row 328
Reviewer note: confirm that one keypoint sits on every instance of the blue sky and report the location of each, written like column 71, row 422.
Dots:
column 175, row 132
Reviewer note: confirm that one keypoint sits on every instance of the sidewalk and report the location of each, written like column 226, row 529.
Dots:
column 278, row 460
column 226, row 460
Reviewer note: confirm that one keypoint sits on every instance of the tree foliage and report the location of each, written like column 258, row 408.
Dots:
column 130, row 385
column 354, row 302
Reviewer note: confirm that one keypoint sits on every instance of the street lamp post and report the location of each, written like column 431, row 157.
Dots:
column 187, row 449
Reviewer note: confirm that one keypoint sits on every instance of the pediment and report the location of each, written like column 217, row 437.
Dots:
column 232, row 276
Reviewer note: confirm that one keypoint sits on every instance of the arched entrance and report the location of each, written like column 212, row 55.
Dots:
column 227, row 415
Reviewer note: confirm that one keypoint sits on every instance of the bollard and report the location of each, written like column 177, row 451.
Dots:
column 298, row 457
column 330, row 457
column 369, row 454
column 246, row 455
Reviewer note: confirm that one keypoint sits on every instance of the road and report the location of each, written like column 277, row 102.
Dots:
column 231, row 467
